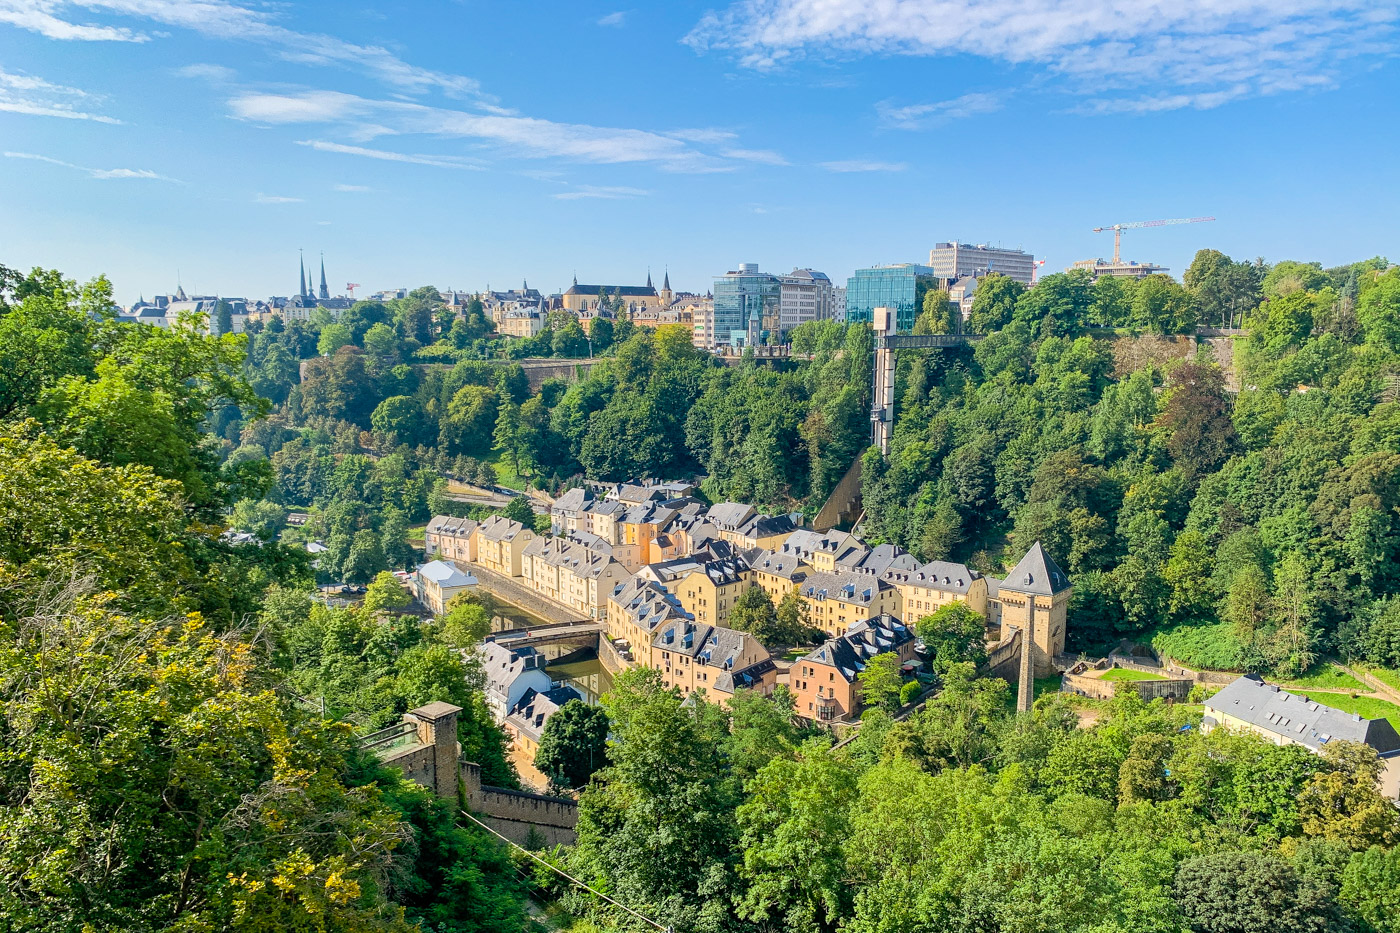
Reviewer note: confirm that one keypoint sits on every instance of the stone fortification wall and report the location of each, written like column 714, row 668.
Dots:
column 515, row 814
column 1100, row 689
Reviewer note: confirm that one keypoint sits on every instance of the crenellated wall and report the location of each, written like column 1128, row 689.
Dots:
column 514, row 813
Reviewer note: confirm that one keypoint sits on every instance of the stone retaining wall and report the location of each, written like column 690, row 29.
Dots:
column 518, row 594
column 515, row 814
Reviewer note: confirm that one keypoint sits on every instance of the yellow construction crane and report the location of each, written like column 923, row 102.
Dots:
column 1119, row 228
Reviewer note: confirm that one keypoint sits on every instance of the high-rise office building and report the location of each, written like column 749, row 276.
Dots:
column 806, row 295
column 951, row 260
column 747, row 306
column 901, row 286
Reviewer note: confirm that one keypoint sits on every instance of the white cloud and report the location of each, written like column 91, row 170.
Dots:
column 763, row 156
column 515, row 135
column 28, row 94
column 386, row 155
column 100, row 173
column 864, row 165
column 601, row 191
column 702, row 135
column 216, row 74
column 1184, row 51
column 38, row 16
column 222, row 19
column 353, row 188
column 614, row 19
column 919, row 116
column 275, row 199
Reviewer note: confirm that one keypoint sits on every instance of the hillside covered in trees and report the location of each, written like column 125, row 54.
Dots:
column 166, row 764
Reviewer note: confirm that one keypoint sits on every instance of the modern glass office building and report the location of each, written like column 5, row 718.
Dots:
column 901, row 286
column 746, row 306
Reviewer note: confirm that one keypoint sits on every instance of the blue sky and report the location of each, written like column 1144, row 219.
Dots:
column 480, row 142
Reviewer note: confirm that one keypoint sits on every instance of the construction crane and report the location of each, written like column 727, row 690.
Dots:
column 350, row 287
column 1119, row 228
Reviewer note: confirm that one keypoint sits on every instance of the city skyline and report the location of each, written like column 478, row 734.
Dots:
column 204, row 143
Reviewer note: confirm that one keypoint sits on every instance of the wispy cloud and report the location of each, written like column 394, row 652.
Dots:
column 702, row 135
column 23, row 93
column 921, row 116
column 1181, row 53
column 215, row 74
column 864, row 165
column 222, row 19
column 614, row 19
column 353, row 188
column 275, row 199
column 516, row 135
column 601, row 191
column 386, row 155
column 99, row 173
column 762, row 156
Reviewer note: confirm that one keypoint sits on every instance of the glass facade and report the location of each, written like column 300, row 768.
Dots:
column 746, row 306
column 900, row 287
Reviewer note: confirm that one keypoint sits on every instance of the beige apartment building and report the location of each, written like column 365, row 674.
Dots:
column 709, row 591
column 694, row 656
column 451, row 538
column 934, row 585
column 500, row 545
column 572, row 574
column 836, row 601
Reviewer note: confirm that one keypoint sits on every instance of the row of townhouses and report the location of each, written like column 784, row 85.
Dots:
column 662, row 571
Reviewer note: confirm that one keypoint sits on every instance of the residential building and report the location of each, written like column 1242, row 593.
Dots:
column 709, row 590
column 746, row 306
column 763, row 531
column 635, row 608
column 702, row 324
column 953, row 259
column 500, row 543
column 838, row 303
column 1036, row 589
column 509, row 673
column 825, row 682
column 836, row 601
column 437, row 582
column 900, row 287
column 930, row 587
column 571, row 573
column 694, row 656
column 779, row 572
column 527, row 718
column 520, row 322
column 1249, row 704
column 804, row 295
column 825, row 550
column 569, row 513
column 450, row 537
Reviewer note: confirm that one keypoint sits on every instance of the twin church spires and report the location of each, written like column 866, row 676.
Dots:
column 303, row 291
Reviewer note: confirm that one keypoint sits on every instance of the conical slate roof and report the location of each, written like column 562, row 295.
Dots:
column 1036, row 574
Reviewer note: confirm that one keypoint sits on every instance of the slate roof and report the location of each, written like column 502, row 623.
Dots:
column 762, row 526
column 788, row 566
column 1301, row 719
column 729, row 515
column 938, row 575
column 858, row 589
column 532, row 711
column 500, row 528
column 574, row 501
column 709, row 645
column 452, row 526
column 882, row 558
column 746, row 679
column 647, row 604
column 1036, row 575
column 445, row 574
column 849, row 653
column 503, row 665
column 625, row 291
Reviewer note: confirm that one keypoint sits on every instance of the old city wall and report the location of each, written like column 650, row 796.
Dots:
column 516, row 814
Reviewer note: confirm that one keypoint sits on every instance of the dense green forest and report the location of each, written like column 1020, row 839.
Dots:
column 164, row 759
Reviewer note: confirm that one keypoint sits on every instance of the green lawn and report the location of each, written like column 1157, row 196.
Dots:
column 418, row 534
column 1328, row 677
column 1127, row 673
column 505, row 476
column 1383, row 674
column 1368, row 707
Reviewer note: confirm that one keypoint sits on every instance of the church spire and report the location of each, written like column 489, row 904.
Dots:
column 302, row 290
column 649, row 285
column 325, row 292
column 666, row 282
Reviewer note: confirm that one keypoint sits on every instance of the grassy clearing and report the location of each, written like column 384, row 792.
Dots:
column 505, row 476
column 1127, row 673
column 1385, row 675
column 1367, row 707
column 418, row 534
column 1327, row 677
